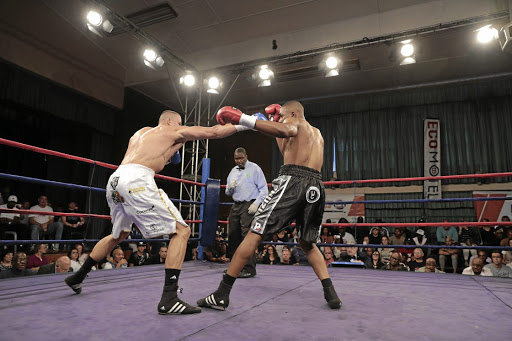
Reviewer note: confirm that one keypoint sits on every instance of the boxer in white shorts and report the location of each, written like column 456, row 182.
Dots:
column 133, row 197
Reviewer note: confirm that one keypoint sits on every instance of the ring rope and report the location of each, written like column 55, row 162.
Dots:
column 422, row 178
column 78, row 158
column 75, row 186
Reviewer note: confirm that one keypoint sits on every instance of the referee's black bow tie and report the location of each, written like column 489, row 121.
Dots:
column 240, row 168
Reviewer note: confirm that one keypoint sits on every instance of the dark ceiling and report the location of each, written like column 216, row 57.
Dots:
column 230, row 38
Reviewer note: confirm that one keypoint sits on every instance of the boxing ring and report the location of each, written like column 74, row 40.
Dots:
column 280, row 303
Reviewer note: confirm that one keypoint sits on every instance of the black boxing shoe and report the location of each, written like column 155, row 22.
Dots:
column 170, row 304
column 74, row 283
column 332, row 298
column 214, row 301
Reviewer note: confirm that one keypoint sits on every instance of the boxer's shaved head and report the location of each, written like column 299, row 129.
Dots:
column 295, row 107
column 169, row 114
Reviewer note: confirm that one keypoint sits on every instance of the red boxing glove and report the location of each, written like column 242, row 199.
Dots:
column 232, row 115
column 273, row 111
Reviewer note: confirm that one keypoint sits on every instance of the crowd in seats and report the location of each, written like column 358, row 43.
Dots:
column 420, row 259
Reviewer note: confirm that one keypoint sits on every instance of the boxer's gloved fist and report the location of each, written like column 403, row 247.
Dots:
column 175, row 159
column 253, row 208
column 273, row 111
column 232, row 115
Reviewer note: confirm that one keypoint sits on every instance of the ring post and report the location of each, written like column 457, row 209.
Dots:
column 211, row 212
column 202, row 210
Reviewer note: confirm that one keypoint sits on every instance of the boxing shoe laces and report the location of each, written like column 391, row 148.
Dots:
column 214, row 301
column 332, row 298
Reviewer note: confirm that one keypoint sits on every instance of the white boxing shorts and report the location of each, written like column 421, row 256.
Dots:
column 133, row 197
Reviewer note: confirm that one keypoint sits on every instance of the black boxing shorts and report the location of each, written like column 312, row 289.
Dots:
column 297, row 195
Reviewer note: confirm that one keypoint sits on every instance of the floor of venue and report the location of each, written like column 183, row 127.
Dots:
column 280, row 303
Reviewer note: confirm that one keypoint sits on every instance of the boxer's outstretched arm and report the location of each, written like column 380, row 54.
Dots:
column 201, row 133
column 287, row 128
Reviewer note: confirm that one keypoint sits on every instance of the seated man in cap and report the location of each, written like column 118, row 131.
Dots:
column 139, row 257
column 12, row 221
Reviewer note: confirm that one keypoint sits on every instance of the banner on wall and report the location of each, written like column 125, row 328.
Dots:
column 431, row 158
column 347, row 211
column 495, row 209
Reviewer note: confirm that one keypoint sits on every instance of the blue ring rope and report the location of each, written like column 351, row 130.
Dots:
column 67, row 185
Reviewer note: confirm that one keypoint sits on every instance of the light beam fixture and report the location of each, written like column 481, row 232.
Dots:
column 96, row 22
column 152, row 59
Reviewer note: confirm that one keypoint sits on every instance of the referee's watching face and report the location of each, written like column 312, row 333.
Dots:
column 240, row 159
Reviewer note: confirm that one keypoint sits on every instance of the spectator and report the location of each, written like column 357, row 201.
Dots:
column 12, row 221
column 397, row 238
column 73, row 224
column 430, row 266
column 6, row 260
column 506, row 228
column 287, row 257
column 505, row 241
column 482, row 254
column 271, row 256
column 116, row 260
column 19, row 267
column 326, row 236
column 507, row 255
column 417, row 260
column 487, row 234
column 140, row 256
column 328, row 256
column 82, row 255
column 62, row 265
column 25, row 219
column 44, row 224
column 158, row 258
column 217, row 252
column 467, row 239
column 376, row 260
column 73, row 257
column 348, row 229
column 497, row 268
column 419, row 237
column 383, row 231
column 38, row 259
column 354, row 255
column 443, row 231
column 452, row 253
column 247, row 185
column 406, row 233
column 384, row 252
column 346, row 238
column 394, row 262
column 375, row 236
column 477, row 268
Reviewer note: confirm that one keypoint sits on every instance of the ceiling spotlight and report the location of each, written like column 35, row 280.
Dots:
column 407, row 50
column 265, row 75
column 188, row 80
column 486, row 34
column 213, row 85
column 331, row 62
column 408, row 60
column 152, row 59
column 95, row 20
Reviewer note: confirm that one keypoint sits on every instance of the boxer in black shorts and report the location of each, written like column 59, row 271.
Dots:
column 297, row 194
